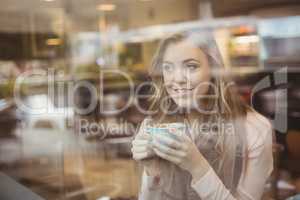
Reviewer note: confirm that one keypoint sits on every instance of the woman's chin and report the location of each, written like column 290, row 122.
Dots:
column 184, row 103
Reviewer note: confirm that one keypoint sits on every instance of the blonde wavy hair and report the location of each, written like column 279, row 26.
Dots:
column 229, row 103
column 227, row 152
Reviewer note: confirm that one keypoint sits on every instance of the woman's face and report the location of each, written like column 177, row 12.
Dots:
column 186, row 73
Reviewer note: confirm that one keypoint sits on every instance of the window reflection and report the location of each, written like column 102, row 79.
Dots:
column 75, row 84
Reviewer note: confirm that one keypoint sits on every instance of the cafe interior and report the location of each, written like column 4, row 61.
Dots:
column 73, row 92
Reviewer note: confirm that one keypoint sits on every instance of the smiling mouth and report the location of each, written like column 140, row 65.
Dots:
column 182, row 90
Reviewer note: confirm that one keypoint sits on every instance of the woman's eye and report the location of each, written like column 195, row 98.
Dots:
column 167, row 67
column 192, row 66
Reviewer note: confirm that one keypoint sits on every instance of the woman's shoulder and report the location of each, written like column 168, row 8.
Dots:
column 259, row 130
column 257, row 121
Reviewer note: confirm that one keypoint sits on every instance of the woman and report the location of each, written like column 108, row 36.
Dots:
column 226, row 152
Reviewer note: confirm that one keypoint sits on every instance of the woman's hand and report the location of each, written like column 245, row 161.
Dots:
column 141, row 147
column 182, row 151
column 142, row 151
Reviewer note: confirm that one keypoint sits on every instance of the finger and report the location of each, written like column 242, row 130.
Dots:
column 168, row 141
column 140, row 156
column 141, row 142
column 167, row 150
column 139, row 149
column 166, row 156
column 143, row 135
column 142, row 149
column 180, row 134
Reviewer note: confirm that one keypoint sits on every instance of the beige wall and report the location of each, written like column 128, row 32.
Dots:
column 166, row 11
column 277, row 11
column 82, row 15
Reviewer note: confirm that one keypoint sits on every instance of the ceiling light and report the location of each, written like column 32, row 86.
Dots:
column 247, row 39
column 106, row 7
column 103, row 198
column 53, row 41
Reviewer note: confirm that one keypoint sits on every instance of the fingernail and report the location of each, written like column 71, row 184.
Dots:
column 172, row 130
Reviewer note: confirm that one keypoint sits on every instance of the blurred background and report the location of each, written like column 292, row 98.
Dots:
column 60, row 46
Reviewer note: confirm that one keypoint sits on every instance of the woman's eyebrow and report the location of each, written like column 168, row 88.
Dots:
column 191, row 59
column 167, row 62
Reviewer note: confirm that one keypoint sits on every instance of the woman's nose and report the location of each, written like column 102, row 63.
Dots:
column 180, row 76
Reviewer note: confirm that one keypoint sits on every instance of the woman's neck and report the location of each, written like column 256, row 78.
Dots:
column 192, row 115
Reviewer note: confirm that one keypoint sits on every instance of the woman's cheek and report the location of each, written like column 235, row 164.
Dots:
column 167, row 81
column 201, row 81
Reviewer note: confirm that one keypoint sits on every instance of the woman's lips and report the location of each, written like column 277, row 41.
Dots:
column 181, row 91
